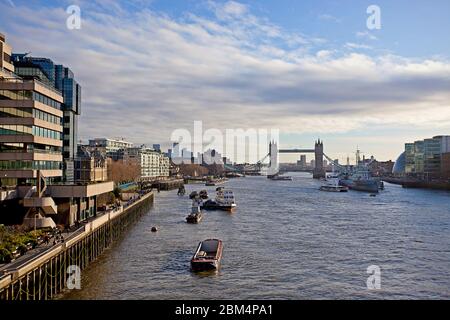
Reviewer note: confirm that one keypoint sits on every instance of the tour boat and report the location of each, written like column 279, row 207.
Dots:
column 224, row 201
column 195, row 216
column 333, row 186
column 214, row 182
column 207, row 256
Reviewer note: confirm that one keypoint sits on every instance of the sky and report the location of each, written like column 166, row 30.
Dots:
column 311, row 69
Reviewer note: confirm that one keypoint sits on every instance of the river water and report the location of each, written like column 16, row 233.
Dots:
column 286, row 240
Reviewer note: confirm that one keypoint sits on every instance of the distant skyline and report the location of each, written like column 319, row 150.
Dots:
column 309, row 68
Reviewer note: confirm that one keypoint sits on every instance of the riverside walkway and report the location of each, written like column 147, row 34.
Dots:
column 80, row 247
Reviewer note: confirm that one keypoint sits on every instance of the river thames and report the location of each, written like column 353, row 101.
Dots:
column 286, row 240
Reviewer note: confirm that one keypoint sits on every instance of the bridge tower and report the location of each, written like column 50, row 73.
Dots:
column 273, row 155
column 319, row 170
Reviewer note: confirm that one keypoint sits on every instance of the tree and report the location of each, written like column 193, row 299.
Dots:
column 121, row 172
column 193, row 170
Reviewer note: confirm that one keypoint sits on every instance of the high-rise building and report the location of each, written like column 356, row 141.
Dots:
column 30, row 129
column 62, row 79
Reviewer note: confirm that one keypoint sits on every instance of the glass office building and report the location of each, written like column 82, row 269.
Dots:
column 424, row 158
column 30, row 127
column 62, row 79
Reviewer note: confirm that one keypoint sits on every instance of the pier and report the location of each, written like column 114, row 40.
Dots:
column 46, row 274
column 169, row 184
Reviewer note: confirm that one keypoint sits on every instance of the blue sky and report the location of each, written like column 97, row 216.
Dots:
column 309, row 68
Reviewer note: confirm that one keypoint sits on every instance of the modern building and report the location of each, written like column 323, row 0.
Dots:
column 31, row 150
column 399, row 168
column 446, row 165
column 153, row 164
column 62, row 79
column 424, row 158
column 111, row 148
column 30, row 130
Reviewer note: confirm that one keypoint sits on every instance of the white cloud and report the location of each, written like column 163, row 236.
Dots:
column 352, row 45
column 329, row 17
column 366, row 35
column 145, row 74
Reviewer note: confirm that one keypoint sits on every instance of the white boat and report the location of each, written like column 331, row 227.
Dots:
column 224, row 201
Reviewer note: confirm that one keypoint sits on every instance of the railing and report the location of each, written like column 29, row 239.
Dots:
column 16, row 79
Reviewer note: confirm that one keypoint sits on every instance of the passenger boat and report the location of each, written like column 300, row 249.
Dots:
column 333, row 186
column 224, row 201
column 214, row 182
column 330, row 188
column 207, row 256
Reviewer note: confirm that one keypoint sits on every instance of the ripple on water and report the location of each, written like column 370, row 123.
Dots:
column 287, row 240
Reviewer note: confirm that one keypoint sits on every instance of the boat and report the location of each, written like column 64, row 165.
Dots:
column 208, row 255
column 203, row 194
column 193, row 195
column 279, row 177
column 214, row 182
column 195, row 216
column 224, row 201
column 333, row 186
column 181, row 191
column 360, row 180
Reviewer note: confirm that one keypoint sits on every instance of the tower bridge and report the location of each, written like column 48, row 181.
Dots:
column 319, row 169
column 273, row 156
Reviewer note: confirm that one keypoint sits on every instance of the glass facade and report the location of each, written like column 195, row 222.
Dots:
column 400, row 165
column 29, row 113
column 31, row 72
column 29, row 165
column 13, row 129
column 29, row 95
column 424, row 158
column 8, row 147
column 62, row 79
